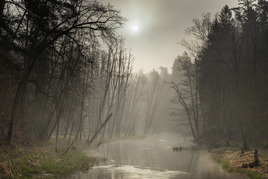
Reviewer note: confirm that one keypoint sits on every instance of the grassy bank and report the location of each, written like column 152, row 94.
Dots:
column 232, row 159
column 23, row 162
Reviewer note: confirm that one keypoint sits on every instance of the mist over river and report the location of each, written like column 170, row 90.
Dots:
column 153, row 157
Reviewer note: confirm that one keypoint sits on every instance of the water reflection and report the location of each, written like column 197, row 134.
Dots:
column 132, row 172
column 153, row 157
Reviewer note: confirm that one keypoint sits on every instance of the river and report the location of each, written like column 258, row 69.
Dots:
column 153, row 158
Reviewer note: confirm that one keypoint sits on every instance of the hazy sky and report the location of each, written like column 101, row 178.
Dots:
column 155, row 27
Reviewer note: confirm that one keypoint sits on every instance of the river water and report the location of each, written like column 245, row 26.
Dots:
column 153, row 158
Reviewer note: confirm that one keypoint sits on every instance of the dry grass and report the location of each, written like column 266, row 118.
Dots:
column 236, row 159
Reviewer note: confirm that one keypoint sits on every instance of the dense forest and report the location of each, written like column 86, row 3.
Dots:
column 71, row 98
column 221, row 82
column 64, row 71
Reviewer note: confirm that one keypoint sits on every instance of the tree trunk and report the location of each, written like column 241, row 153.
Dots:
column 100, row 128
column 76, row 135
column 70, row 136
column 15, row 112
column 203, row 116
column 57, row 135
column 2, row 5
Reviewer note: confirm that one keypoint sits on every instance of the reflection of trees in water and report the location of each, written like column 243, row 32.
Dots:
column 193, row 164
column 150, row 158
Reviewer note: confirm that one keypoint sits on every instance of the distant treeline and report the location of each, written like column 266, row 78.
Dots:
column 224, row 84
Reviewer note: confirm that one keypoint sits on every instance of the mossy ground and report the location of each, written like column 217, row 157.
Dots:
column 224, row 163
column 31, row 161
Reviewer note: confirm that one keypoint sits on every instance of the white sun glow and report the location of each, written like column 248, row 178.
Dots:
column 134, row 28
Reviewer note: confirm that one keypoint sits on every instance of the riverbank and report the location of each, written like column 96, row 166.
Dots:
column 231, row 159
column 20, row 161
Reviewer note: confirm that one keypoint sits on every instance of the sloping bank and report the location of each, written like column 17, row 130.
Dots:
column 25, row 162
column 231, row 159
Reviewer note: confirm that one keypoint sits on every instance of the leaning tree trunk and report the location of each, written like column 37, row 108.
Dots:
column 100, row 128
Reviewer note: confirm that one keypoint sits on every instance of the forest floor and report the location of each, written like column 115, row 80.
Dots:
column 40, row 160
column 231, row 159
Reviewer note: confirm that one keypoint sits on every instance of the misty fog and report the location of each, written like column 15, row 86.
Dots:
column 133, row 89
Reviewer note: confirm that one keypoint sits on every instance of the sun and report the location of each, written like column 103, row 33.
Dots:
column 134, row 28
